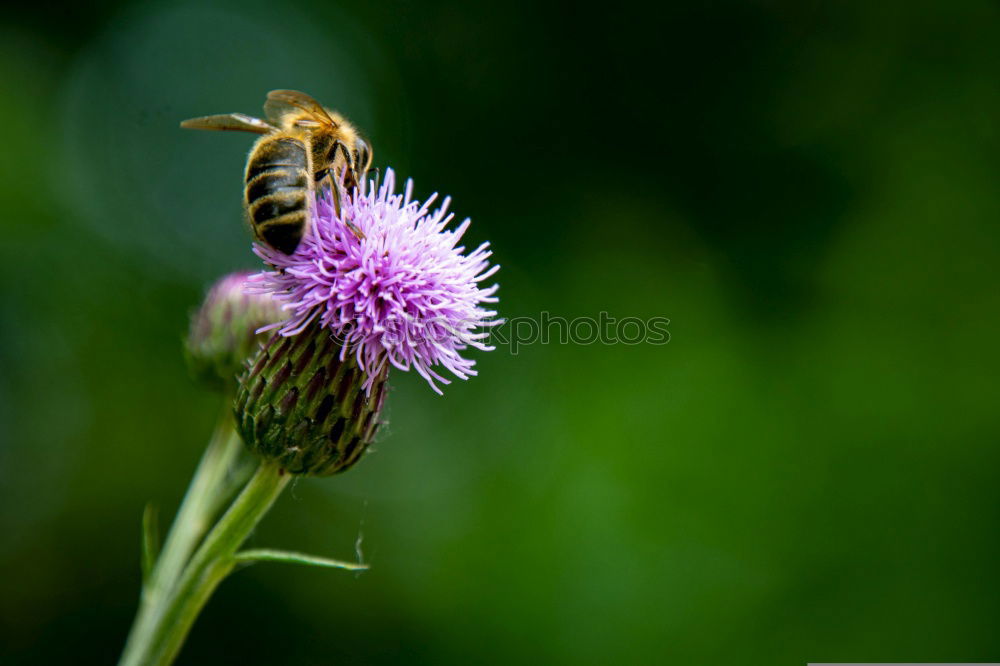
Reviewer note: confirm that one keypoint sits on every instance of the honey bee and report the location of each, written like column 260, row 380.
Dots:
column 303, row 145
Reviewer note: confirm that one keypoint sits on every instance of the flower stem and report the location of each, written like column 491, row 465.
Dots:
column 210, row 486
column 211, row 563
column 204, row 497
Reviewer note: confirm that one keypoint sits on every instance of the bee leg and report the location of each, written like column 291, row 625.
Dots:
column 329, row 180
column 326, row 179
column 351, row 168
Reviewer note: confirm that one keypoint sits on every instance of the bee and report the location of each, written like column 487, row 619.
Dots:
column 303, row 145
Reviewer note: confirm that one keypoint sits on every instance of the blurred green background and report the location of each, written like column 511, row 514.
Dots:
column 808, row 190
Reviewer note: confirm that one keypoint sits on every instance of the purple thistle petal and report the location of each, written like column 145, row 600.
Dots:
column 404, row 295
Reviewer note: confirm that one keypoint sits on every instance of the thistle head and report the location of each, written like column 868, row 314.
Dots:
column 388, row 281
column 382, row 283
column 224, row 331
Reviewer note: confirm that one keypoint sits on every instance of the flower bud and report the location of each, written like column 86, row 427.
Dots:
column 302, row 406
column 223, row 333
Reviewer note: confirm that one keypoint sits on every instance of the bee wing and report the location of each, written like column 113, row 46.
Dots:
column 280, row 102
column 230, row 121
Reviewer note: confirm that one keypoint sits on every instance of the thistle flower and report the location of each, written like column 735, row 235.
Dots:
column 388, row 281
column 223, row 332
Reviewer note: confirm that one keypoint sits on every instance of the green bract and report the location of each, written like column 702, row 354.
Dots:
column 302, row 407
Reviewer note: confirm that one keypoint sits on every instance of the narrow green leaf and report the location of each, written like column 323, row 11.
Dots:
column 150, row 540
column 267, row 555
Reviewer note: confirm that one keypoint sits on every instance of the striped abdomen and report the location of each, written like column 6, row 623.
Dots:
column 277, row 194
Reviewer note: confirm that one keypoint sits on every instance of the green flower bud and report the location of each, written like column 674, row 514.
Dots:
column 301, row 406
column 223, row 333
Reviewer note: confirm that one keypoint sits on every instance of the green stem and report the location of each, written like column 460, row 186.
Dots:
column 210, row 564
column 205, row 495
column 209, row 488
